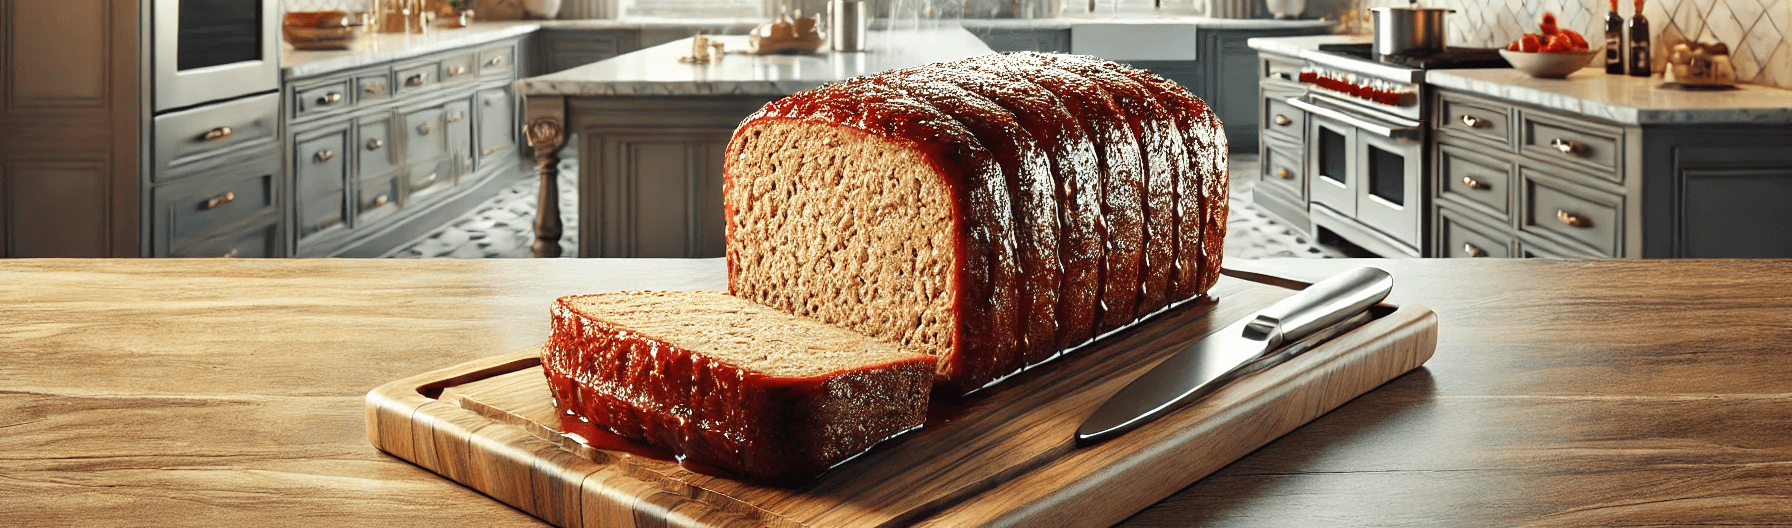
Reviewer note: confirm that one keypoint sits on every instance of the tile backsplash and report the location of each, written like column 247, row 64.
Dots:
column 1755, row 30
column 324, row 5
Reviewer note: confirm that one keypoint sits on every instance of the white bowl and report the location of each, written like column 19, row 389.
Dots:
column 1550, row 65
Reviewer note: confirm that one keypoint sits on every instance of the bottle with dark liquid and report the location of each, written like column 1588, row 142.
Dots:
column 1614, row 41
column 1640, row 62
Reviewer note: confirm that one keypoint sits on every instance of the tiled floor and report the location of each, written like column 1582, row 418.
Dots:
column 503, row 226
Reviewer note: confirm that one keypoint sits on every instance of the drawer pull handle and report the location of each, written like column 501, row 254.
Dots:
column 1284, row 173
column 219, row 200
column 496, row 61
column 218, row 133
column 1472, row 121
column 380, row 200
column 457, row 71
column 1472, row 251
column 1565, row 146
column 330, row 98
column 1282, row 120
column 1573, row 220
column 326, row 155
column 231, row 254
column 424, row 129
column 414, row 80
column 456, row 117
column 375, row 144
column 1474, row 183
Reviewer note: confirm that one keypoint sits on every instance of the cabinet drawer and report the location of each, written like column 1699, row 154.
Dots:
column 320, row 180
column 376, row 146
column 1281, row 118
column 194, row 211
column 375, row 199
column 497, row 61
column 1475, row 179
column 1277, row 67
column 1476, row 117
column 458, row 69
column 257, row 241
column 192, row 135
column 321, row 98
column 1572, row 213
column 1282, row 169
column 1462, row 238
column 423, row 135
column 416, row 78
column 1553, row 138
column 374, row 89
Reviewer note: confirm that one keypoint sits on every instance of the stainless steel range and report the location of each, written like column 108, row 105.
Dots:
column 1366, row 140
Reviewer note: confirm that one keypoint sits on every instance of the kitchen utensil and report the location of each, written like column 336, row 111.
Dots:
column 1239, row 349
column 1408, row 30
column 1551, row 65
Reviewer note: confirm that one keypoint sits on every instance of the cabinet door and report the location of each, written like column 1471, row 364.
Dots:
column 1233, row 88
column 320, row 174
column 498, row 126
column 227, row 210
column 457, row 118
column 1736, row 213
column 426, row 151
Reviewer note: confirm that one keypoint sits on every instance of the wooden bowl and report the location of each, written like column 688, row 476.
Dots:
column 1550, row 65
column 315, row 19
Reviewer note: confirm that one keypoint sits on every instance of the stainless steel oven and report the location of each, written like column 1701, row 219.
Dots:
column 213, row 50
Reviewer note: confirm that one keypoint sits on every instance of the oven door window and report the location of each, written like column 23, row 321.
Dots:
column 1334, row 155
column 1387, row 176
column 218, row 32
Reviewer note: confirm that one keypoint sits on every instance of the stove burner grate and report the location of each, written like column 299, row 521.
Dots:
column 1440, row 60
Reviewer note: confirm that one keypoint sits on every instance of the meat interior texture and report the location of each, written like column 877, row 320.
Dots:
column 912, row 206
column 730, row 383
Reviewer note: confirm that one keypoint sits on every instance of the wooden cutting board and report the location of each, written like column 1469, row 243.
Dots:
column 1003, row 457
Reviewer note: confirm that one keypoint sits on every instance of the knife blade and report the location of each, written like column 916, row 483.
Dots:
column 1254, row 343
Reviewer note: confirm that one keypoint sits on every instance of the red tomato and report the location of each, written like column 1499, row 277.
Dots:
column 1580, row 42
column 1514, row 46
column 1548, row 25
column 1558, row 43
column 1531, row 43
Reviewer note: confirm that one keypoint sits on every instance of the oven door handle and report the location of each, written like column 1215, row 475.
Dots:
column 1362, row 123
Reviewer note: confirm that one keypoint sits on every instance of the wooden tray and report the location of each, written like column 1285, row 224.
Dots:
column 1002, row 457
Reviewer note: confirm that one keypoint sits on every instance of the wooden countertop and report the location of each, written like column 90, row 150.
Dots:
column 217, row 392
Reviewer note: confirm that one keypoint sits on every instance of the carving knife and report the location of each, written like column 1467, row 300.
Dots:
column 1259, row 341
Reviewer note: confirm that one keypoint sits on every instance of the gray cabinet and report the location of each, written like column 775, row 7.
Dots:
column 1545, row 183
column 229, row 209
column 566, row 48
column 1282, row 178
column 406, row 137
column 1043, row 40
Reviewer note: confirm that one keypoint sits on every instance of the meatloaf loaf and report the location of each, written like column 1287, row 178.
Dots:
column 729, row 383
column 907, row 210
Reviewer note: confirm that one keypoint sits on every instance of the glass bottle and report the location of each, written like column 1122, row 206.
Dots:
column 1614, row 41
column 1640, row 62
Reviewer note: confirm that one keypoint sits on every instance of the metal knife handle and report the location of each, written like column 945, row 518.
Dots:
column 1323, row 304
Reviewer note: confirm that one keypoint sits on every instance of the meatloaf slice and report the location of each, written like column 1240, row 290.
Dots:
column 1202, row 193
column 1029, row 179
column 729, row 383
column 1076, row 185
column 860, row 206
column 1122, row 179
column 1166, row 160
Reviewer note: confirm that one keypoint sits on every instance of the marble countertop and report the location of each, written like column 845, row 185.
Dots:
column 374, row 48
column 657, row 71
column 1625, row 99
column 1300, row 46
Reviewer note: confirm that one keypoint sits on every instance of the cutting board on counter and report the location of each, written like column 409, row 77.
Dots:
column 1004, row 456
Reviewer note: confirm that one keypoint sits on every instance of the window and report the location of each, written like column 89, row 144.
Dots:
column 692, row 8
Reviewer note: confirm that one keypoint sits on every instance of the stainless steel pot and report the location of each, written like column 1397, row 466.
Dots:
column 1406, row 30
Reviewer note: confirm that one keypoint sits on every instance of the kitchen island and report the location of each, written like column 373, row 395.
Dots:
column 652, row 129
column 219, row 392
